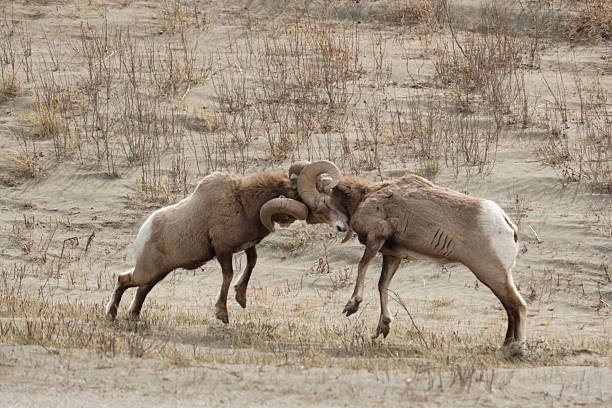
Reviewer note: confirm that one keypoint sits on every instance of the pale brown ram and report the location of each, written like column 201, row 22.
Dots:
column 224, row 215
column 411, row 218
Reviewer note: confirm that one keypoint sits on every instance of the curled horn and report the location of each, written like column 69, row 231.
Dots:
column 307, row 181
column 281, row 205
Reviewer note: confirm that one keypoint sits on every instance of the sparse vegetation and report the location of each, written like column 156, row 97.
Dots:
column 106, row 117
column 265, row 338
column 590, row 20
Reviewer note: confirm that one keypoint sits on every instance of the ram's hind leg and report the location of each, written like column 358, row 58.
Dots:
column 517, row 308
column 499, row 280
column 389, row 267
column 139, row 298
column 243, row 282
column 124, row 281
column 225, row 260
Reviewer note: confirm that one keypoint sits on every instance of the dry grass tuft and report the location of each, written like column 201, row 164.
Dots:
column 590, row 20
column 406, row 12
column 10, row 86
column 46, row 121
column 580, row 152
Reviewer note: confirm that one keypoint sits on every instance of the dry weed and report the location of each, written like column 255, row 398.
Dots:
column 584, row 156
column 10, row 86
column 589, row 20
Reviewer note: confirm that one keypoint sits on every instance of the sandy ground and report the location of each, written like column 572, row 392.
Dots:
column 80, row 382
column 562, row 269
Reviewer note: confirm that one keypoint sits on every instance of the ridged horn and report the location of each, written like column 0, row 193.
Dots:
column 281, row 205
column 307, row 181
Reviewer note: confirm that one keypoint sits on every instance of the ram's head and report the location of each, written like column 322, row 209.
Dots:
column 315, row 182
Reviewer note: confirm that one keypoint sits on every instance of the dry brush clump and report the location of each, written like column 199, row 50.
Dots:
column 10, row 86
column 28, row 159
column 423, row 132
column 293, row 88
column 579, row 149
column 15, row 55
column 179, row 15
column 396, row 13
column 589, row 20
column 121, row 111
column 485, row 62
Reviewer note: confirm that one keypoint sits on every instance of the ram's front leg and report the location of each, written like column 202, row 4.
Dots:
column 225, row 259
column 243, row 282
column 373, row 244
column 390, row 265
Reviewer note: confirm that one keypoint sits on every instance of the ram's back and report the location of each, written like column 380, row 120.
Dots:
column 425, row 220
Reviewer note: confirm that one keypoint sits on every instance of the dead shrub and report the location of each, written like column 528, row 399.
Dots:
column 589, row 20
column 482, row 63
column 581, row 153
column 405, row 12
column 10, row 86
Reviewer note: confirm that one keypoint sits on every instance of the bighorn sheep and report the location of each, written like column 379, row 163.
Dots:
column 225, row 214
column 411, row 218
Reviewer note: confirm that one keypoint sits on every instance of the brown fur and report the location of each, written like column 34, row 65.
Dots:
column 412, row 210
column 411, row 218
column 219, row 218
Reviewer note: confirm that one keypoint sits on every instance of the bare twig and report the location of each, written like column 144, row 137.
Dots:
column 601, row 303
column 74, row 241
column 535, row 234
column 90, row 240
column 400, row 301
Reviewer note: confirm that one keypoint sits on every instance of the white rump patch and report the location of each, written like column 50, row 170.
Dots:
column 143, row 236
column 496, row 225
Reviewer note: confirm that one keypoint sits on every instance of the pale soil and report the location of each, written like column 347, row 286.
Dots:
column 565, row 232
column 37, row 378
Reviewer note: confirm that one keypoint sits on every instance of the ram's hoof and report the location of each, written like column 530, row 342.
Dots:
column 514, row 350
column 241, row 302
column 241, row 297
column 223, row 318
column 110, row 313
column 384, row 330
column 350, row 308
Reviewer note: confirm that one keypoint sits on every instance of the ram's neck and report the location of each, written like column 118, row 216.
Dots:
column 350, row 192
column 258, row 189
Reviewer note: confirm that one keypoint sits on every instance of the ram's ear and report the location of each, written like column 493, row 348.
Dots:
column 344, row 189
column 323, row 183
